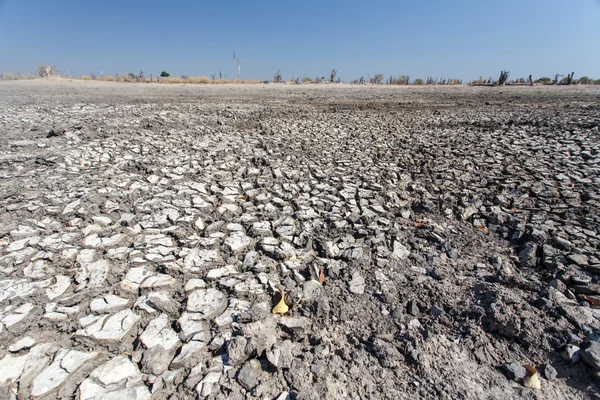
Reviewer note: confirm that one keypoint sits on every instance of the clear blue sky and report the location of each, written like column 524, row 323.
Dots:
column 463, row 39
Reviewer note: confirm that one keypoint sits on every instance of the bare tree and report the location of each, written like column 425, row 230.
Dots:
column 220, row 74
column 556, row 76
column 277, row 76
column 213, row 76
column 332, row 75
column 530, row 79
column 570, row 78
column 503, row 77
column 237, row 61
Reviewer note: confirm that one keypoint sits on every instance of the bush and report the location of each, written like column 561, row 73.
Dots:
column 307, row 80
column 44, row 71
column 165, row 74
column 543, row 80
column 419, row 81
column 110, row 78
column 85, row 78
column 584, row 80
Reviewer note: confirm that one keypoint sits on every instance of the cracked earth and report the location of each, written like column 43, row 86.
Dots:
column 427, row 242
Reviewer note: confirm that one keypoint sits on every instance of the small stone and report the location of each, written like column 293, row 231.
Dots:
column 591, row 354
column 571, row 353
column 550, row 372
column 581, row 280
column 400, row 251
column 237, row 350
column 156, row 360
column 357, row 284
column 284, row 396
column 412, row 308
column 247, row 376
column 436, row 311
column 515, row 371
column 296, row 324
column 578, row 259
column 312, row 290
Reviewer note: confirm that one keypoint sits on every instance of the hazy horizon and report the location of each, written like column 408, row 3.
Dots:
column 419, row 39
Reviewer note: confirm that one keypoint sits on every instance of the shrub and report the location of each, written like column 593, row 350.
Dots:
column 419, row 81
column 110, row 78
column 85, row 78
column 44, row 71
column 307, row 80
column 543, row 80
column 165, row 74
column 584, row 80
column 205, row 80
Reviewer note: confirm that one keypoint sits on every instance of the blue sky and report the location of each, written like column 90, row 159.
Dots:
column 464, row 39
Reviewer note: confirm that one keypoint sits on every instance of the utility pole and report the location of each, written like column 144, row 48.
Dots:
column 237, row 61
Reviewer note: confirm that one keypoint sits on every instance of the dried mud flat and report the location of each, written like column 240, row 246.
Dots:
column 429, row 242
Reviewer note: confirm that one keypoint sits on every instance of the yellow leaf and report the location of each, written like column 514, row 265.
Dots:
column 281, row 307
column 533, row 381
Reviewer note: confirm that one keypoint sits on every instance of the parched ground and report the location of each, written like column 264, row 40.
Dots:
column 429, row 242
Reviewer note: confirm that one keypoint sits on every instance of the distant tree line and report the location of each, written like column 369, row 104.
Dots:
column 557, row 79
column 43, row 71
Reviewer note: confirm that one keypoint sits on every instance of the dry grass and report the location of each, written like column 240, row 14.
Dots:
column 171, row 79
column 85, row 78
column 110, row 78
column 7, row 76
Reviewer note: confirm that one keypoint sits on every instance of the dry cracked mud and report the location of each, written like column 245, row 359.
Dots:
column 429, row 242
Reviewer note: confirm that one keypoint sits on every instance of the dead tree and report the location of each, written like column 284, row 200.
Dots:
column 555, row 81
column 277, row 77
column 503, row 77
column 332, row 75
column 237, row 61
column 220, row 74
column 530, row 80
column 570, row 78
